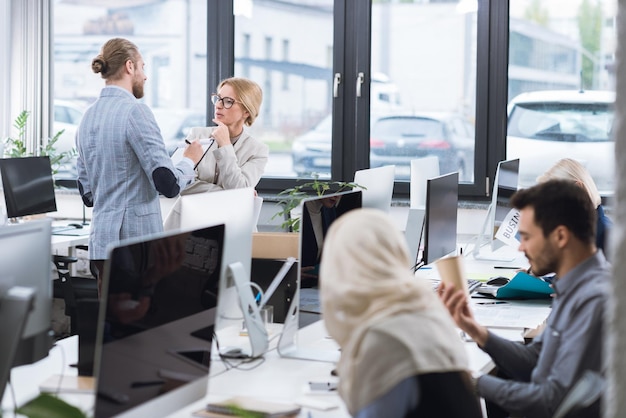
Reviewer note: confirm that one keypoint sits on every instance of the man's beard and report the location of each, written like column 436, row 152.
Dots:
column 138, row 89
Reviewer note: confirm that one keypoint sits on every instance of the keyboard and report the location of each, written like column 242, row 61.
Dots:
column 472, row 284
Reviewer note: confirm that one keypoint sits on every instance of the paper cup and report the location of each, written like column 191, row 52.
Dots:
column 452, row 272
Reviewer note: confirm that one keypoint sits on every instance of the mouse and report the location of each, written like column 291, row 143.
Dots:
column 498, row 281
column 77, row 226
column 232, row 352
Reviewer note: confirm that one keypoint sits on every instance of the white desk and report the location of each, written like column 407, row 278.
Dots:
column 275, row 379
column 26, row 379
column 65, row 244
column 286, row 380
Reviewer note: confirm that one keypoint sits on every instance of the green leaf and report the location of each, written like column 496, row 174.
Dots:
column 293, row 196
column 48, row 406
column 16, row 147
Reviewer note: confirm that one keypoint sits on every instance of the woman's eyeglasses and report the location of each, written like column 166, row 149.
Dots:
column 227, row 102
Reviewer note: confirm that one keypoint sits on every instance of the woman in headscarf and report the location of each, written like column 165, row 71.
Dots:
column 400, row 352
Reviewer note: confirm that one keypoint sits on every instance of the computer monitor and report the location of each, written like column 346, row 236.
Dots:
column 15, row 305
column 157, row 292
column 25, row 261
column 422, row 169
column 236, row 209
column 505, row 184
column 28, row 186
column 378, row 186
column 318, row 213
column 440, row 220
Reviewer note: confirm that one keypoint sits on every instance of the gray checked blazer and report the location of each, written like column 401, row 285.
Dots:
column 123, row 165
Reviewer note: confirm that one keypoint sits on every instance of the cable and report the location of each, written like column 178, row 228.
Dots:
column 62, row 374
column 259, row 296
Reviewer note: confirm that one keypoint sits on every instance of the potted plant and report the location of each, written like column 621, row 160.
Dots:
column 16, row 147
column 291, row 199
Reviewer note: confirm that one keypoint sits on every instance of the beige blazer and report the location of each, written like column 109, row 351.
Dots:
column 229, row 167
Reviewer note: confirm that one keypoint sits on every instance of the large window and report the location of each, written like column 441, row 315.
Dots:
column 290, row 62
column 321, row 108
column 561, row 86
column 423, row 88
column 331, row 71
column 171, row 36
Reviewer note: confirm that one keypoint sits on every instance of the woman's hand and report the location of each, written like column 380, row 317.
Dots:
column 221, row 133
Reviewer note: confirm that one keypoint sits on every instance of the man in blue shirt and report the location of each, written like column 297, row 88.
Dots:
column 557, row 229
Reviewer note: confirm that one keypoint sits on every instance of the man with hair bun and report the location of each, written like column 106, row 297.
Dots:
column 123, row 164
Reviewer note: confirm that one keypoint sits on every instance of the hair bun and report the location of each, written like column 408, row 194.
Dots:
column 98, row 65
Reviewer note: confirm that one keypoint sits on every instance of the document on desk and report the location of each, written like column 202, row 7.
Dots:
column 240, row 406
column 513, row 314
column 178, row 154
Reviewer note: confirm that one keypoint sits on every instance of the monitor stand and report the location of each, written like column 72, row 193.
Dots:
column 492, row 256
column 481, row 242
column 259, row 341
column 287, row 344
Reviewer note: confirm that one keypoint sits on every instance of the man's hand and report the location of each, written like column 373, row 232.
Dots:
column 194, row 151
column 456, row 301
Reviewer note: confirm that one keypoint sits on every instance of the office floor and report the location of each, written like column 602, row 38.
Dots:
column 60, row 322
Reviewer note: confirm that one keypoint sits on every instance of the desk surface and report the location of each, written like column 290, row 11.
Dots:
column 275, row 378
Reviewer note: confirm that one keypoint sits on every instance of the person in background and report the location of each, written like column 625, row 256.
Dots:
column 400, row 352
column 234, row 159
column 557, row 229
column 569, row 169
column 123, row 164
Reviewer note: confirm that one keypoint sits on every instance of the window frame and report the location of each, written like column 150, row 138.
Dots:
column 351, row 56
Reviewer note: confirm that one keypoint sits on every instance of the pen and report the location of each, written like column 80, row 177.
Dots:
column 187, row 141
column 507, row 268
column 493, row 302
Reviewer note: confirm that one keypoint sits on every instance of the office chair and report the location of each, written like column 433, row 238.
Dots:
column 446, row 394
column 71, row 288
column 584, row 394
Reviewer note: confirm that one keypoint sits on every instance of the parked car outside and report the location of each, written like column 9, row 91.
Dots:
column 310, row 152
column 545, row 126
column 396, row 140
column 67, row 117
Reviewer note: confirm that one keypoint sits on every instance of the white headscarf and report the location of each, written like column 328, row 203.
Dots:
column 366, row 279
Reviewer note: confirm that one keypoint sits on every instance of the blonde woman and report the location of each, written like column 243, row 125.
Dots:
column 400, row 352
column 234, row 159
column 569, row 169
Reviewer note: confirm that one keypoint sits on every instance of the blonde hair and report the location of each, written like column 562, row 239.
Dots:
column 569, row 169
column 113, row 56
column 249, row 94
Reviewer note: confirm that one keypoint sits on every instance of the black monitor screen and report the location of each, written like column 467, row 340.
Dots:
column 440, row 224
column 28, row 186
column 157, row 317
column 317, row 215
